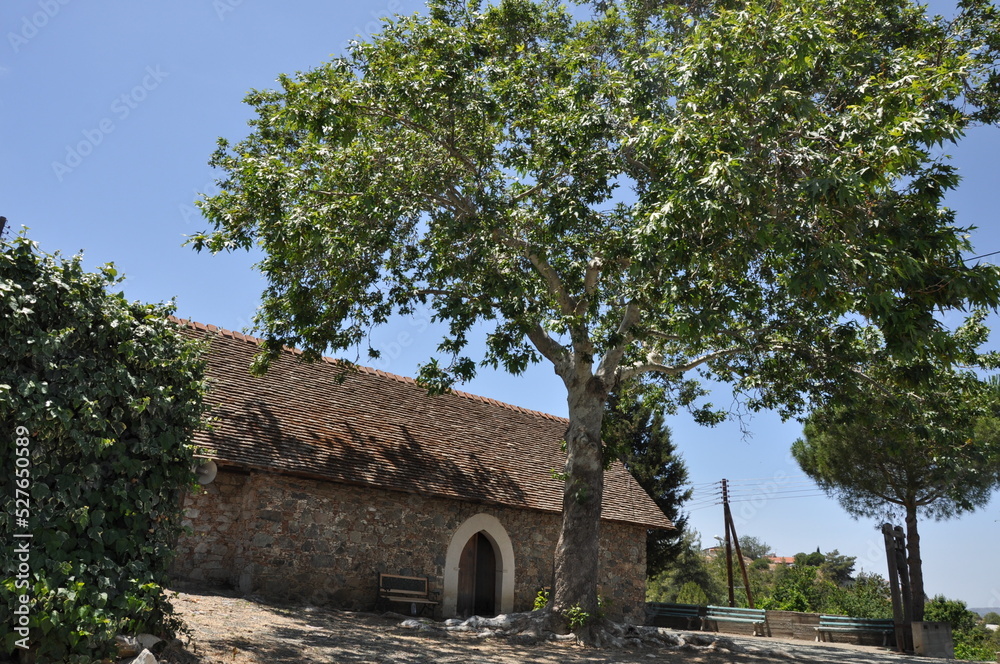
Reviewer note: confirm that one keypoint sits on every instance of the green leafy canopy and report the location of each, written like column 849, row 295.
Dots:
column 775, row 159
column 930, row 447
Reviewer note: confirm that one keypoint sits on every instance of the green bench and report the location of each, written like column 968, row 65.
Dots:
column 717, row 614
column 689, row 612
column 847, row 625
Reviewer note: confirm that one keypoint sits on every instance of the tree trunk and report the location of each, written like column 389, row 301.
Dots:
column 576, row 555
column 914, row 564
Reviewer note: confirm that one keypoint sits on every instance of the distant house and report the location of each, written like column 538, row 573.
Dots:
column 781, row 561
column 717, row 551
column 322, row 485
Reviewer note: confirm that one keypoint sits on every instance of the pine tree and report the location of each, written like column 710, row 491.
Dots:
column 635, row 433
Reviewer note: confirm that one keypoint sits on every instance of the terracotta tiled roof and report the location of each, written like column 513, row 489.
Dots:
column 383, row 430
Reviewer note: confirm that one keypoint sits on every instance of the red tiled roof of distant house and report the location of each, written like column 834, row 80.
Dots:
column 378, row 429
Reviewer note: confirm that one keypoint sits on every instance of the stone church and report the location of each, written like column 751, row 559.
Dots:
column 321, row 485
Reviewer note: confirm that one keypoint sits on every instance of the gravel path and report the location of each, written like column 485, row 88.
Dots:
column 229, row 629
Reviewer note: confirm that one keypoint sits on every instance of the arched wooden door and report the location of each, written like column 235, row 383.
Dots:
column 477, row 578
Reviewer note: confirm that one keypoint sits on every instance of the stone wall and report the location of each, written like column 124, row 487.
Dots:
column 295, row 538
column 213, row 514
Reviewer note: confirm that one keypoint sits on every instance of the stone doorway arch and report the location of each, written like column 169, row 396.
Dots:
column 482, row 527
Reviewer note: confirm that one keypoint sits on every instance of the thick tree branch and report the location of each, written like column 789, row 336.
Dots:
column 551, row 349
column 629, row 319
column 553, row 283
column 613, row 356
column 460, row 202
column 651, row 366
column 590, row 280
column 566, row 304
column 929, row 498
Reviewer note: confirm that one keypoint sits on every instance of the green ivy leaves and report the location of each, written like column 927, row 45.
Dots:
column 111, row 394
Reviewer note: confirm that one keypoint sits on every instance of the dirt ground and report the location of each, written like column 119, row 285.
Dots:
column 228, row 629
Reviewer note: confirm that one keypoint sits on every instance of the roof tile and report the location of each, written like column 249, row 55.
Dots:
column 380, row 429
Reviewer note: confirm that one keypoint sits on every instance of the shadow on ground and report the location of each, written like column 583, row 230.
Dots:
column 230, row 629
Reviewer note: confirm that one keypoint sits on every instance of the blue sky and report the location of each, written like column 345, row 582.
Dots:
column 110, row 111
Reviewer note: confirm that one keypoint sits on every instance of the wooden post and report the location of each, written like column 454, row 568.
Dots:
column 903, row 568
column 739, row 556
column 897, row 601
column 729, row 543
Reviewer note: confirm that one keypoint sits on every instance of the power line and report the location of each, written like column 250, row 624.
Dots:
column 706, row 503
column 718, row 493
column 992, row 253
column 757, row 488
column 777, row 489
column 783, row 479
column 747, row 500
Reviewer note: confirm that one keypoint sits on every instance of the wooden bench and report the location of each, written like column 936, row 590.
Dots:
column 412, row 590
column 848, row 625
column 689, row 612
column 717, row 614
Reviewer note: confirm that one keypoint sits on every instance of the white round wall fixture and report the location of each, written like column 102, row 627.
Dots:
column 206, row 471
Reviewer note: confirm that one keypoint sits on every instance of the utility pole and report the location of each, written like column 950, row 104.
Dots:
column 731, row 536
column 739, row 557
column 729, row 543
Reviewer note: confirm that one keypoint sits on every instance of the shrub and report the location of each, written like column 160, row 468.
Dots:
column 692, row 593
column 953, row 611
column 104, row 396
column 867, row 597
column 972, row 640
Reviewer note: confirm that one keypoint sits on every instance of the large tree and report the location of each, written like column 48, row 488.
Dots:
column 933, row 451
column 631, row 191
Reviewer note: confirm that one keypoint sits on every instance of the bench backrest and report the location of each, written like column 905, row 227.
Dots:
column 735, row 612
column 847, row 621
column 675, row 609
column 403, row 585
